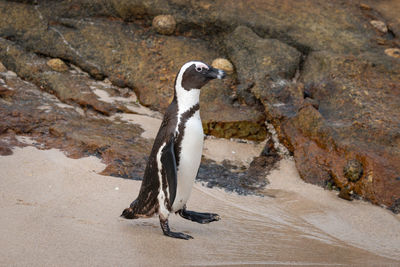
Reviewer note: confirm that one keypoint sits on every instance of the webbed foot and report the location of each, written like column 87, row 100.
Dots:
column 199, row 217
column 168, row 232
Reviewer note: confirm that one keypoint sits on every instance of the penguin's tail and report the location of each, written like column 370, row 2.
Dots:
column 129, row 213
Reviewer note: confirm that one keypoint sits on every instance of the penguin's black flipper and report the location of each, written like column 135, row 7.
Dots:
column 169, row 165
column 199, row 217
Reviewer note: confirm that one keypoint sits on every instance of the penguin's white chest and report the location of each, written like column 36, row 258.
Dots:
column 189, row 160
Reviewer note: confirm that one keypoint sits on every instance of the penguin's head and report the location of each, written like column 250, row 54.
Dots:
column 196, row 74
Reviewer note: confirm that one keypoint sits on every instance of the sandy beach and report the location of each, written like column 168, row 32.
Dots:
column 58, row 211
column 310, row 97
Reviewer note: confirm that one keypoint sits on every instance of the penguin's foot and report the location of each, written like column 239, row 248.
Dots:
column 199, row 217
column 168, row 232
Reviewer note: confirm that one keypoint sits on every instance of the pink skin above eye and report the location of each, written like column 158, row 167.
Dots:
column 201, row 66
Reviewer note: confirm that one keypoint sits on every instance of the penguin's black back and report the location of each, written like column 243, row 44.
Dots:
column 146, row 203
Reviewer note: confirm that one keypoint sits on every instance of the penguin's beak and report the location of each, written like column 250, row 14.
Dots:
column 214, row 73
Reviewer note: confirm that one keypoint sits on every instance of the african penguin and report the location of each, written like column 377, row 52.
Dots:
column 175, row 157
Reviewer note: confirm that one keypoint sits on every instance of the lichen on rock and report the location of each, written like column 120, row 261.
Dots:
column 353, row 170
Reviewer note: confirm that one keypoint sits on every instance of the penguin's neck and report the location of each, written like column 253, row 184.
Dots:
column 187, row 103
column 186, row 99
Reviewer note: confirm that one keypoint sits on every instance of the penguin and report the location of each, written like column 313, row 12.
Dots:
column 176, row 154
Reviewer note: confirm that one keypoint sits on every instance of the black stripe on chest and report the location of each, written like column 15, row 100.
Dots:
column 181, row 130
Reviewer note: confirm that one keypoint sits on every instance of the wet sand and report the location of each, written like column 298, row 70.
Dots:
column 58, row 211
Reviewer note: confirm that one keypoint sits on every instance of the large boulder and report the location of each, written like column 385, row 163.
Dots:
column 357, row 120
column 130, row 55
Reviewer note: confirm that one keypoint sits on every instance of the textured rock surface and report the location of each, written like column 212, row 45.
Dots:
column 320, row 72
column 264, row 66
column 223, row 64
column 57, row 65
column 129, row 55
column 164, row 24
column 68, row 87
column 393, row 52
column 2, row 68
column 29, row 111
column 52, row 123
column 358, row 118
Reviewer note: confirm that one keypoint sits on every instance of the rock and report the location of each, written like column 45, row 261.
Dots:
column 52, row 124
column 149, row 69
column 387, row 11
column 365, row 6
column 395, row 207
column 223, row 64
column 5, row 150
column 40, row 115
column 164, row 24
column 310, row 101
column 68, row 87
column 57, row 65
column 345, row 126
column 256, row 58
column 244, row 94
column 353, row 170
column 379, row 25
column 236, row 129
column 302, row 24
column 270, row 149
column 393, row 52
column 5, row 92
column 263, row 65
column 345, row 194
column 320, row 80
column 2, row 68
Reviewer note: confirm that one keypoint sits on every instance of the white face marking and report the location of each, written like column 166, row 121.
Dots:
column 200, row 65
column 163, row 211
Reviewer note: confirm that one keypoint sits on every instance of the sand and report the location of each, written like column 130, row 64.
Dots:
column 58, row 211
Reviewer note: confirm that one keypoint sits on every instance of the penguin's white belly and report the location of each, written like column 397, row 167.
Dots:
column 189, row 161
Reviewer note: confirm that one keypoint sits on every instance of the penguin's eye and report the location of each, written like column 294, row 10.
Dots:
column 199, row 69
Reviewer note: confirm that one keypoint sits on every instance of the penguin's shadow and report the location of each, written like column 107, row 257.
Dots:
column 138, row 225
column 147, row 224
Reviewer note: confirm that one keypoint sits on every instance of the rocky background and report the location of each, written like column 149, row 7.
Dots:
column 325, row 74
